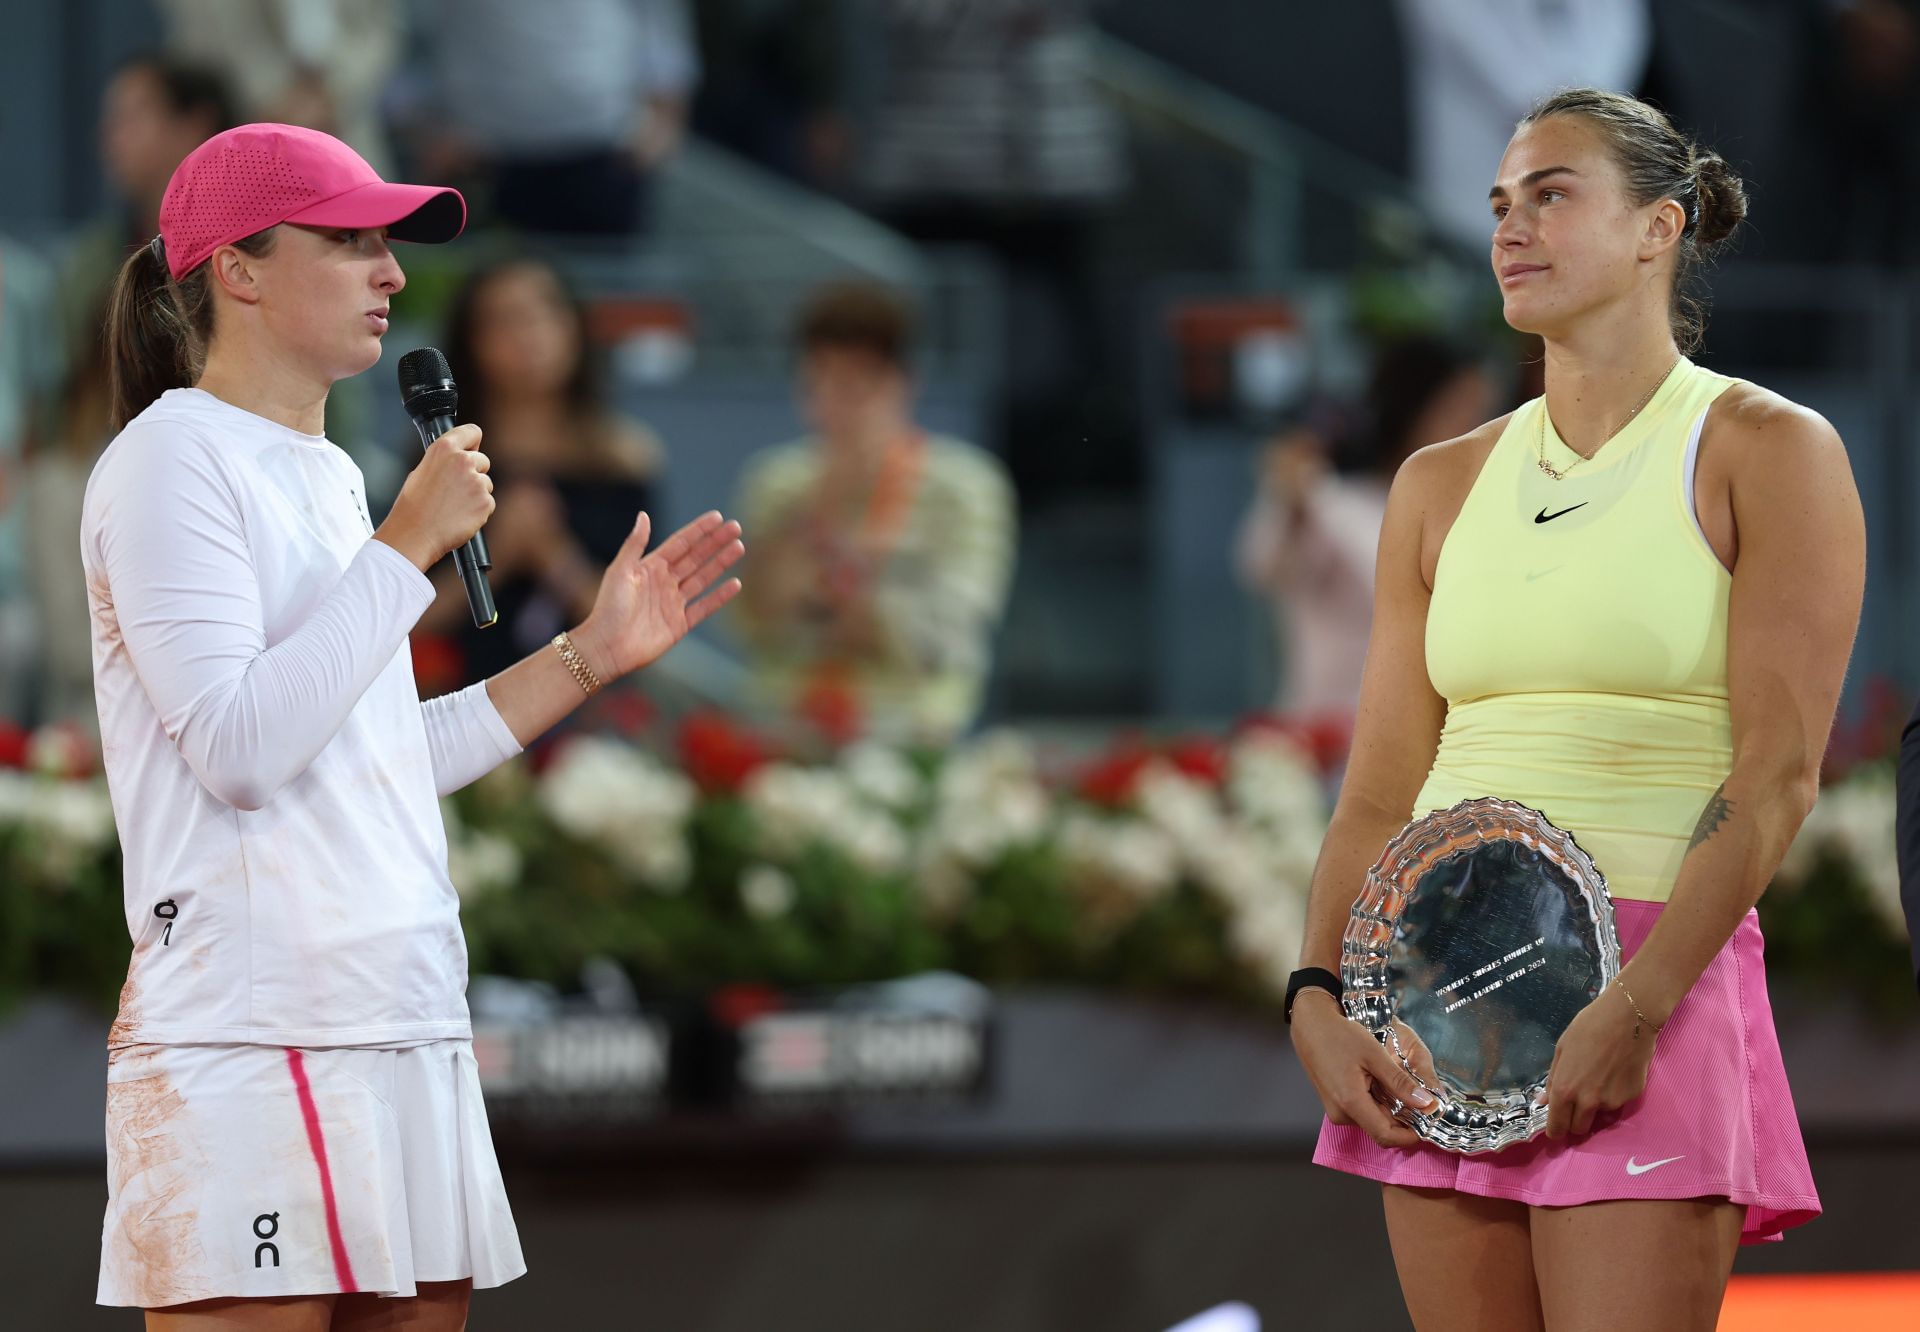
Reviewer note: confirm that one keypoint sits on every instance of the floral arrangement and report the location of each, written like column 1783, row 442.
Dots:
column 707, row 855
column 1832, row 916
column 1186, row 872
column 713, row 856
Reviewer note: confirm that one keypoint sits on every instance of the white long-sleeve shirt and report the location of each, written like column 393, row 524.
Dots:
column 275, row 777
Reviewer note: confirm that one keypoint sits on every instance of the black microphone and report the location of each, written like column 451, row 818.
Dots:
column 427, row 392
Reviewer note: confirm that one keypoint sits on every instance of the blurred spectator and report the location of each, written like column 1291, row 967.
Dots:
column 1476, row 66
column 52, row 489
column 986, row 128
column 1859, row 136
column 319, row 63
column 563, row 108
column 1308, row 541
column 30, row 368
column 570, row 473
column 881, row 553
column 771, row 90
column 990, row 103
column 156, row 110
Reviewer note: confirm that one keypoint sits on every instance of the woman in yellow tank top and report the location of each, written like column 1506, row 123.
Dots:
column 1628, row 605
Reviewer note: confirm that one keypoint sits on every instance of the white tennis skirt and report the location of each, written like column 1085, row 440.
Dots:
column 259, row 1170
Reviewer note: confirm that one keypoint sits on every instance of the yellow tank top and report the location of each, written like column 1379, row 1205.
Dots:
column 1578, row 631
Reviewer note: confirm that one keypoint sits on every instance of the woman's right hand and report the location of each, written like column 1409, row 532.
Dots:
column 445, row 500
column 1355, row 1075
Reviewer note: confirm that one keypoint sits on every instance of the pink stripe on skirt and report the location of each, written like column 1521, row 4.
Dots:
column 1716, row 1119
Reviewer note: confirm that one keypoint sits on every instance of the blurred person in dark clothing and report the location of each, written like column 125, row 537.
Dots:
column 772, row 86
column 155, row 111
column 1308, row 540
column 986, row 128
column 569, row 471
column 563, row 109
column 887, row 550
column 53, row 484
column 1865, row 98
column 1907, row 832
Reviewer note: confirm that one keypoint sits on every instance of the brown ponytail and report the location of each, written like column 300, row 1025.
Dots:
column 158, row 329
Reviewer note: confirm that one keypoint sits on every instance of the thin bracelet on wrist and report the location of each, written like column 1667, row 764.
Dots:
column 1638, row 1016
column 576, row 664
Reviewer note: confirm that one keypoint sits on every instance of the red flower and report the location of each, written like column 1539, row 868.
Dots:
column 1113, row 779
column 14, row 742
column 1326, row 737
column 1870, row 731
column 1201, row 758
column 718, row 755
column 627, row 711
column 439, row 667
column 834, row 709
column 734, row 1006
column 66, row 750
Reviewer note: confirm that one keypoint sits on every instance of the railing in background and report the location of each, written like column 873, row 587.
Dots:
column 1289, row 176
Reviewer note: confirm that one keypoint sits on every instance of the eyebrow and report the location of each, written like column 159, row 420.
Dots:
column 1532, row 178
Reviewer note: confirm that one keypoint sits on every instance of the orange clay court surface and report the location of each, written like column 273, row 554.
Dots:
column 1817, row 1303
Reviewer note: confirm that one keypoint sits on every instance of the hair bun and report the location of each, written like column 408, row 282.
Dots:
column 1722, row 199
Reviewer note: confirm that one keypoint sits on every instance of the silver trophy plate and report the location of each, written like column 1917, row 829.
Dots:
column 1478, row 936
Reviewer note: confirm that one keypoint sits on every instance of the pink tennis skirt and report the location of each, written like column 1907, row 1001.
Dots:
column 1716, row 1119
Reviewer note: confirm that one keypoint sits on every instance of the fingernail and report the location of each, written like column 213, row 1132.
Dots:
column 1424, row 1100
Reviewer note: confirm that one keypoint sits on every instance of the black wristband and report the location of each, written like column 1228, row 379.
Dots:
column 1311, row 978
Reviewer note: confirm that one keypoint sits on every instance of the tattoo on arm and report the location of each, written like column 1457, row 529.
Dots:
column 1718, row 809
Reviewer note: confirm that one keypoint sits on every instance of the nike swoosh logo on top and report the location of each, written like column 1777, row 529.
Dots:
column 1635, row 1168
column 1542, row 573
column 1544, row 517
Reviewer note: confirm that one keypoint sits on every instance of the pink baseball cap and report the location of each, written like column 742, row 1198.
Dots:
column 252, row 177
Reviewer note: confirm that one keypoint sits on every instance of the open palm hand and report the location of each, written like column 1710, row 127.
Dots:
column 649, row 600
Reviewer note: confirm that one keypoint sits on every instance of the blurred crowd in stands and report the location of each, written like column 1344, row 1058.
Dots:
column 882, row 552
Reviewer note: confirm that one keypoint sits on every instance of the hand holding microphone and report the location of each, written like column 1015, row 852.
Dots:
column 448, row 496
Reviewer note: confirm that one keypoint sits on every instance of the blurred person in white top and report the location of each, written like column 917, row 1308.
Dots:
column 275, row 779
column 1474, row 67
column 1308, row 539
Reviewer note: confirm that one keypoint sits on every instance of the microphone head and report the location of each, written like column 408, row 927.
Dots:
column 426, row 384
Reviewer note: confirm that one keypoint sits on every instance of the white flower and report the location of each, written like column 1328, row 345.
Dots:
column 1271, row 782
column 766, row 891
column 663, row 860
column 1129, row 855
column 65, row 821
column 56, row 750
column 988, row 801
column 796, row 807
column 16, row 796
column 882, row 775
column 607, row 792
column 1180, row 806
column 1268, row 934
column 480, row 863
column 598, row 784
column 1854, row 820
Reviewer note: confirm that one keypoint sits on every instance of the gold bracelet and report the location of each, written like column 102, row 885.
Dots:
column 576, row 664
column 1638, row 1016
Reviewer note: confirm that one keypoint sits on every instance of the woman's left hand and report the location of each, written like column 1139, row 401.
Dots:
column 1598, row 1064
column 649, row 600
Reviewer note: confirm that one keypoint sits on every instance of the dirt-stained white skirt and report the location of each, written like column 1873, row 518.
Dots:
column 257, row 1170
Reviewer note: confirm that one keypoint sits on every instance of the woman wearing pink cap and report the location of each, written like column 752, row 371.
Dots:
column 294, row 1123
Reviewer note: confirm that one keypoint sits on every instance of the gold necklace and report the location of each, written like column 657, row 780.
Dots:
column 1547, row 467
